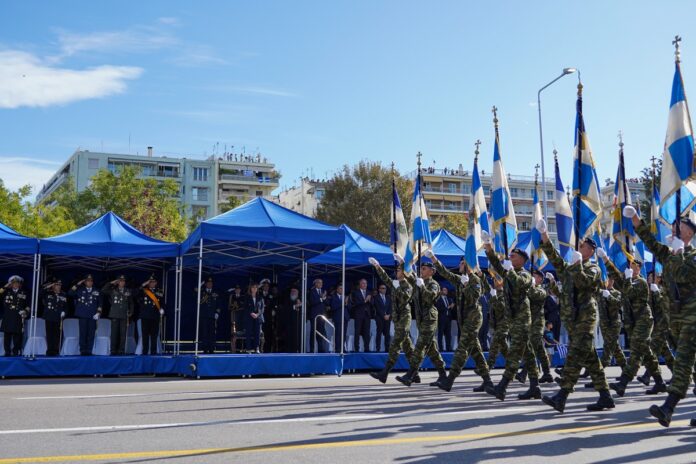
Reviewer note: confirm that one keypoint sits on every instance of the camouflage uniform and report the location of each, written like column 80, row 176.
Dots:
column 500, row 325
column 658, row 343
column 426, row 318
column 470, row 319
column 537, row 298
column 581, row 282
column 401, row 315
column 638, row 321
column 610, row 325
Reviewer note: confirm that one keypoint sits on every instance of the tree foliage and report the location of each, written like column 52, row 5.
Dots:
column 360, row 196
column 457, row 223
column 646, row 179
column 18, row 212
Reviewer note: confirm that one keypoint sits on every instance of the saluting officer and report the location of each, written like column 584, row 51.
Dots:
column 88, row 310
column 211, row 305
column 54, row 307
column 151, row 304
column 15, row 304
column 121, row 309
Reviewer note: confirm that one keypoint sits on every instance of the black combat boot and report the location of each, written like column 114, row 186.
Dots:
column 645, row 378
column 521, row 376
column 659, row 386
column 605, row 401
column 558, row 400
column 534, row 391
column 664, row 413
column 380, row 375
column 487, row 382
column 416, row 378
column 499, row 390
column 407, row 379
column 620, row 386
column 441, row 375
column 584, row 374
column 589, row 385
column 558, row 370
column 446, row 382
column 692, row 423
column 546, row 378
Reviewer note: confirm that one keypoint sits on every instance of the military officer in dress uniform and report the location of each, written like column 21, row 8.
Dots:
column 211, row 306
column 88, row 310
column 15, row 304
column 120, row 299
column 151, row 303
column 54, row 306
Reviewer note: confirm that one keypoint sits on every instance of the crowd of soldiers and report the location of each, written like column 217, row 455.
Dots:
column 658, row 315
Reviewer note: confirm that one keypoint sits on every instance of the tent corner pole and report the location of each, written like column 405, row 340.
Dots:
column 198, row 296
column 303, row 324
column 343, row 300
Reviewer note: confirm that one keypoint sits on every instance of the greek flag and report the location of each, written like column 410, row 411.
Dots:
column 623, row 236
column 587, row 202
column 562, row 350
column 678, row 156
column 504, row 221
column 478, row 219
column 564, row 218
column 657, row 227
column 420, row 228
column 538, row 257
column 398, row 230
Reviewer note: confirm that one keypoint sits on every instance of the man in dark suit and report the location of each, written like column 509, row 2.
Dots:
column 361, row 301
column 444, row 305
column 317, row 307
column 383, row 307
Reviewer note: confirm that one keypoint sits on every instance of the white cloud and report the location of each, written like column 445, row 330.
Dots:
column 136, row 40
column 260, row 90
column 169, row 20
column 26, row 80
column 16, row 172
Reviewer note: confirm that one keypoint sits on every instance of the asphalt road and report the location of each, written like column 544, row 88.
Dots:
column 351, row 419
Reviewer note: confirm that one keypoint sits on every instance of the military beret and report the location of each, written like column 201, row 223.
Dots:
column 520, row 252
column 153, row 277
column 538, row 272
column 265, row 281
column 15, row 278
column 590, row 242
column 689, row 222
column 209, row 279
column 638, row 260
column 89, row 277
column 121, row 277
column 427, row 264
column 56, row 281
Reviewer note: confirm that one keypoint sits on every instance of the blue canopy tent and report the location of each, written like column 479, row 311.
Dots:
column 259, row 233
column 111, row 243
column 359, row 248
column 449, row 249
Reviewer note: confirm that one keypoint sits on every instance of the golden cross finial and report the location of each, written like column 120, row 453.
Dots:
column 555, row 155
column 675, row 42
column 621, row 144
column 419, row 155
column 495, row 115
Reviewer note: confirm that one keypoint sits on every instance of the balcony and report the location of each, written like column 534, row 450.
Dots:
column 252, row 179
column 451, row 191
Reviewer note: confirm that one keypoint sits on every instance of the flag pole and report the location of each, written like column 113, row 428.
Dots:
column 622, row 173
column 652, row 205
column 418, row 181
column 497, row 144
column 578, row 195
column 392, row 226
column 536, row 191
column 677, row 62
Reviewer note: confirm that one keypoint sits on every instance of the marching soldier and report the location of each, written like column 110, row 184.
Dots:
column 537, row 298
column 210, row 312
column 498, row 322
column 659, row 304
column 610, row 305
column 121, row 310
column 151, row 304
column 581, row 282
column 54, row 306
column 470, row 317
column 15, row 304
column 88, row 310
column 401, row 315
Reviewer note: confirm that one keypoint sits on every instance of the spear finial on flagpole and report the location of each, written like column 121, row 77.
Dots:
column 476, row 152
column 677, row 54
column 495, row 117
column 621, row 144
column 536, row 175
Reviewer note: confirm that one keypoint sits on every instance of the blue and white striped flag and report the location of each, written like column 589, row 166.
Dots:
column 657, row 226
column 564, row 217
column 562, row 350
column 398, row 229
column 623, row 236
column 538, row 256
column 678, row 155
column 478, row 219
column 504, row 221
column 420, row 228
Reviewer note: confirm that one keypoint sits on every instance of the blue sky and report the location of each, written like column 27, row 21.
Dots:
column 315, row 85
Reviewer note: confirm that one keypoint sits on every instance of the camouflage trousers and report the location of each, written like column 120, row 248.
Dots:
column 684, row 362
column 639, row 334
column 659, row 346
column 610, row 335
column 469, row 345
column 582, row 353
column 536, row 344
column 520, row 348
column 426, row 344
column 676, row 322
column 400, row 342
column 499, row 344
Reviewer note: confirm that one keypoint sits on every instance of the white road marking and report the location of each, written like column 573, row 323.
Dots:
column 334, row 418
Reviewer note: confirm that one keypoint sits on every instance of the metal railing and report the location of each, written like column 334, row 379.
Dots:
column 316, row 331
column 267, row 180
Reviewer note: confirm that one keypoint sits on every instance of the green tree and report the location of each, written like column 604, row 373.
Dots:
column 360, row 196
column 18, row 212
column 232, row 203
column 646, row 179
column 457, row 223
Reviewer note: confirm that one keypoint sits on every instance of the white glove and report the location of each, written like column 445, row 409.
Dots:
column 162, row 313
column 629, row 211
column 628, row 273
column 372, row 261
column 668, row 240
column 507, row 265
column 396, row 283
column 550, row 276
column 429, row 253
column 62, row 314
column 605, row 293
column 494, row 292
column 654, row 288
column 420, row 282
column 560, row 286
column 398, row 258
column 575, row 257
column 96, row 317
column 601, row 254
column 464, row 279
column 541, row 226
column 23, row 313
column 486, row 238
column 677, row 245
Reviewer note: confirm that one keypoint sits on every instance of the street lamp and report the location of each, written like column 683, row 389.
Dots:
column 565, row 72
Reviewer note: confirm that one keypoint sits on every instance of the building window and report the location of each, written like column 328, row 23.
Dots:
column 199, row 194
column 199, row 212
column 524, row 225
column 513, row 191
column 259, row 193
column 200, row 174
column 167, row 170
column 93, row 163
column 319, row 194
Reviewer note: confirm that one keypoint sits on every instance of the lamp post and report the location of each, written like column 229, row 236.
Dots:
column 565, row 72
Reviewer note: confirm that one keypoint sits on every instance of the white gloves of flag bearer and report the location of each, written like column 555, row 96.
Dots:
column 629, row 211
column 677, row 245
column 420, row 282
column 429, row 254
column 486, row 237
column 605, row 293
column 628, row 273
column 373, row 261
column 541, row 226
column 494, row 292
column 550, row 277
column 507, row 265
column 601, row 254
column 395, row 283
column 398, row 258
column 575, row 257
column 464, row 279
column 654, row 288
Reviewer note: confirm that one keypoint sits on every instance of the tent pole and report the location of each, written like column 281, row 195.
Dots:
column 303, row 323
column 343, row 299
column 198, row 296
column 34, row 309
column 176, row 307
column 163, row 330
column 181, row 286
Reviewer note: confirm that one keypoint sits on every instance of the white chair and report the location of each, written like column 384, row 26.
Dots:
column 131, row 346
column 102, row 338
column 2, row 344
column 330, row 335
column 71, row 338
column 36, row 344
column 373, row 335
column 350, row 335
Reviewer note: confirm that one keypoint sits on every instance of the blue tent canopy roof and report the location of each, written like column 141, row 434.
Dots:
column 12, row 242
column 359, row 248
column 108, row 237
column 449, row 249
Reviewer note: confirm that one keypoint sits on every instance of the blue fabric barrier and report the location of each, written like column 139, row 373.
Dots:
column 62, row 366
column 232, row 365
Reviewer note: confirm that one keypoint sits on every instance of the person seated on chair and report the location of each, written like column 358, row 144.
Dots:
column 54, row 308
column 120, row 300
column 88, row 310
column 151, row 303
column 15, row 305
column 253, row 308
